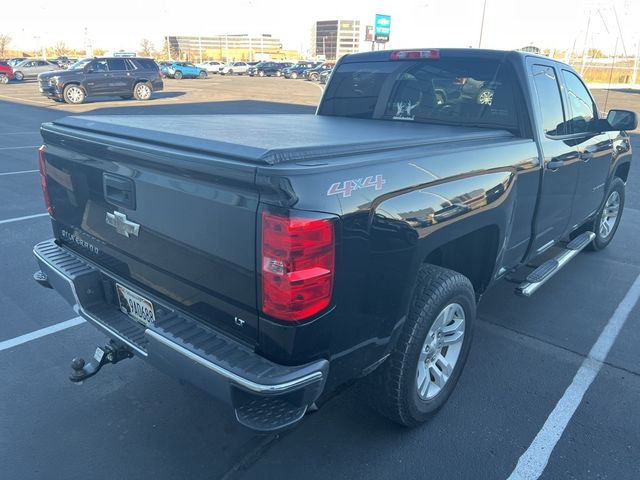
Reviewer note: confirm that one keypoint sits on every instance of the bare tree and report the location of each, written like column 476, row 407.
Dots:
column 146, row 47
column 60, row 48
column 5, row 40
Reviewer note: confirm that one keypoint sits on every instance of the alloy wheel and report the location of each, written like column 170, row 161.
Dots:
column 440, row 351
column 610, row 214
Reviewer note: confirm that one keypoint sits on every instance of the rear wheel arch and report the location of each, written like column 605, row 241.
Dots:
column 473, row 255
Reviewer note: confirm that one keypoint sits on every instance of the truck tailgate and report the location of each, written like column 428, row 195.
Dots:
column 182, row 226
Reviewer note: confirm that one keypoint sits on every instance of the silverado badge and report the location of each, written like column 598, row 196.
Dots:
column 123, row 226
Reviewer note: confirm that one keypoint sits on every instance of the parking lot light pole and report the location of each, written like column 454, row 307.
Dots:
column 484, row 9
column 634, row 77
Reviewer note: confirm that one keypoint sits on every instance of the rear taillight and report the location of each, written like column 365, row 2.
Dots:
column 298, row 261
column 42, row 167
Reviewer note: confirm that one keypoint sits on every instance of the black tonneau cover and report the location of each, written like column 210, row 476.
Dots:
column 270, row 139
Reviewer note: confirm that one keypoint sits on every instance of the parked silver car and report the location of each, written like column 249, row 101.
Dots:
column 31, row 68
column 235, row 68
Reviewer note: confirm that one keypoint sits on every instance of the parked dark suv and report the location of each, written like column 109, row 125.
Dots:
column 125, row 77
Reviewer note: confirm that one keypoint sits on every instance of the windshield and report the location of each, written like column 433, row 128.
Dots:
column 80, row 63
column 454, row 91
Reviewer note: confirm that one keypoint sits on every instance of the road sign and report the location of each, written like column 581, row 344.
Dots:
column 382, row 27
column 369, row 33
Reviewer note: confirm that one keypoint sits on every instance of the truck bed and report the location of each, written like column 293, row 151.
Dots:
column 272, row 139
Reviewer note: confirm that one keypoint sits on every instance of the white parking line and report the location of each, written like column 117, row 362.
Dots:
column 20, row 133
column 23, row 100
column 19, row 148
column 16, row 173
column 534, row 460
column 27, row 337
column 18, row 219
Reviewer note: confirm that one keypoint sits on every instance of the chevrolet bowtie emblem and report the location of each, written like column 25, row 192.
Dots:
column 123, row 226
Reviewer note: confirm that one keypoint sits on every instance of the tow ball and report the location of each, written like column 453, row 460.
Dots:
column 111, row 353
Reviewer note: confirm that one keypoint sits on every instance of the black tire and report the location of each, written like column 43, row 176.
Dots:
column 392, row 388
column 4, row 78
column 260, row 73
column 294, row 75
column 178, row 75
column 142, row 91
column 314, row 77
column 74, row 94
column 202, row 75
column 602, row 240
column 278, row 73
column 230, row 72
column 19, row 76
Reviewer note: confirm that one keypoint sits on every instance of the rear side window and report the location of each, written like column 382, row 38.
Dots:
column 583, row 110
column 549, row 99
column 117, row 64
column 145, row 63
column 449, row 91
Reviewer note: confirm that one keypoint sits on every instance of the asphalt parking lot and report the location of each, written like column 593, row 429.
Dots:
column 132, row 421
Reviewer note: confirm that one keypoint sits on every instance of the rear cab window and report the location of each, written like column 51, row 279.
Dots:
column 464, row 91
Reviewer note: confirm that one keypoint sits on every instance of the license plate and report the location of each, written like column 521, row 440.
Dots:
column 137, row 307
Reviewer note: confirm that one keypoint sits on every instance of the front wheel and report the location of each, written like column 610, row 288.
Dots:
column 294, row 75
column 19, row 76
column 314, row 77
column 606, row 222
column 424, row 366
column 142, row 91
column 4, row 78
column 202, row 75
column 178, row 75
column 74, row 94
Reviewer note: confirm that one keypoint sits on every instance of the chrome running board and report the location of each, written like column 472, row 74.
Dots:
column 548, row 269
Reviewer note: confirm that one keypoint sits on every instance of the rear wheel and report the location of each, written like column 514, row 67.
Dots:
column 74, row 94
column 19, row 76
column 142, row 91
column 260, row 73
column 178, row 75
column 424, row 367
column 606, row 222
column 4, row 78
column 278, row 73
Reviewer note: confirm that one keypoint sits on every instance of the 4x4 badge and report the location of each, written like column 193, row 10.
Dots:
column 123, row 226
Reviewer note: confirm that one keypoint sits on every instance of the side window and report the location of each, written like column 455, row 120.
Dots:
column 117, row 64
column 583, row 110
column 100, row 65
column 549, row 99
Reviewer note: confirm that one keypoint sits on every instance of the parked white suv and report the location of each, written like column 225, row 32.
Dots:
column 237, row 68
column 211, row 66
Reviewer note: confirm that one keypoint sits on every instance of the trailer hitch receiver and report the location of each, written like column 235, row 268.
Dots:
column 111, row 353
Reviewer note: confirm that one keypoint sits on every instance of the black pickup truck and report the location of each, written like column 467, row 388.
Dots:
column 269, row 259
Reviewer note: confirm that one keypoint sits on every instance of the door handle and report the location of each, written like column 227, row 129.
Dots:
column 586, row 156
column 555, row 164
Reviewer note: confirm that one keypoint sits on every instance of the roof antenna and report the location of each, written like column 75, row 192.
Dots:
column 613, row 61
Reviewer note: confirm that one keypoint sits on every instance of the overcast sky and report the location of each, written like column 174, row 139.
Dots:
column 121, row 24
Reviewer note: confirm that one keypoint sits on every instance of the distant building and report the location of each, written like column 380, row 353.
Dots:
column 225, row 47
column 332, row 39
